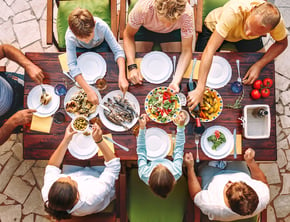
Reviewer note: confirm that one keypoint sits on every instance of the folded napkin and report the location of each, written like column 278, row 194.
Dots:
column 111, row 145
column 138, row 63
column 63, row 62
column 41, row 124
column 187, row 73
column 238, row 144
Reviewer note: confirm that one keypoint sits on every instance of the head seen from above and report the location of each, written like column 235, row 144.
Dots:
column 161, row 181
column 169, row 11
column 262, row 19
column 81, row 23
column 242, row 198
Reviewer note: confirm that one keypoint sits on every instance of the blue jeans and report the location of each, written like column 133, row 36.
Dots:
column 104, row 47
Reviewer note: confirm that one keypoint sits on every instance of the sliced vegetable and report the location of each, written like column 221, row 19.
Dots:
column 217, row 139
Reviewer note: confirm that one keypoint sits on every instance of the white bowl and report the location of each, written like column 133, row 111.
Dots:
column 256, row 127
column 77, row 118
column 186, row 115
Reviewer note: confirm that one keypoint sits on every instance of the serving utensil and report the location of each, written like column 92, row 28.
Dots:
column 190, row 82
column 196, row 140
column 113, row 141
column 69, row 76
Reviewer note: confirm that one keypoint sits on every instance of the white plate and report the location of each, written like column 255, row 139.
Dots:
column 220, row 73
column 156, row 67
column 157, row 143
column 222, row 150
column 82, row 147
column 72, row 91
column 132, row 99
column 92, row 65
column 33, row 101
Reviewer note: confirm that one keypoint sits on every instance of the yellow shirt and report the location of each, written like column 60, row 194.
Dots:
column 229, row 21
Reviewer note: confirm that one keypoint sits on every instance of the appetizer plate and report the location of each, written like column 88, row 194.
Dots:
column 156, row 67
column 93, row 66
column 133, row 101
column 218, row 104
column 82, row 147
column 222, row 150
column 71, row 92
column 154, row 93
column 157, row 143
column 220, row 73
column 33, row 101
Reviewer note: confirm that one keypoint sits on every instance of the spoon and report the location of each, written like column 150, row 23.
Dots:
column 239, row 74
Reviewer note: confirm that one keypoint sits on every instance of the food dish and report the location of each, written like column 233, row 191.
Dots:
column 223, row 150
column 134, row 103
column 80, row 124
column 33, row 101
column 157, row 143
column 162, row 105
column 211, row 106
column 220, row 73
column 187, row 117
column 73, row 92
column 82, row 147
column 92, row 65
column 156, row 67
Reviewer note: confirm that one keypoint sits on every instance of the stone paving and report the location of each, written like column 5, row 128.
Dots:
column 23, row 24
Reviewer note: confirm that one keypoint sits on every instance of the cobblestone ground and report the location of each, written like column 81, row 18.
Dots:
column 23, row 24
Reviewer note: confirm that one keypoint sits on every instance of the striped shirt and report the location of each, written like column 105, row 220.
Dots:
column 6, row 96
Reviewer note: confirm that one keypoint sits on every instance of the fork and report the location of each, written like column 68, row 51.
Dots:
column 196, row 140
column 173, row 137
column 43, row 89
column 239, row 74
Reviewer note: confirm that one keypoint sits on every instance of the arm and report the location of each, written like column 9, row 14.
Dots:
column 122, row 82
column 193, row 184
column 256, row 172
column 22, row 117
column 195, row 96
column 276, row 49
column 92, row 96
column 130, row 50
column 58, row 155
column 17, row 56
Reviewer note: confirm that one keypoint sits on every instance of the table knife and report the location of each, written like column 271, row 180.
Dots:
column 119, row 145
column 190, row 83
column 104, row 107
column 69, row 76
column 235, row 146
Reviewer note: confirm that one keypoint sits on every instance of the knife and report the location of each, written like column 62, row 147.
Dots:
column 112, row 141
column 69, row 76
column 235, row 146
column 104, row 107
column 190, row 83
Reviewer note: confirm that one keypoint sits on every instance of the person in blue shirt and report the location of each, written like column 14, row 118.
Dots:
column 161, row 174
column 92, row 33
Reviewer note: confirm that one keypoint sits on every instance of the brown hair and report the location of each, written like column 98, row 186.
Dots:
column 61, row 197
column 81, row 22
column 170, row 9
column 161, row 181
column 270, row 14
column 242, row 198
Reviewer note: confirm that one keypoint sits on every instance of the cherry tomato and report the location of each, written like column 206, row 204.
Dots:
column 268, row 82
column 217, row 134
column 265, row 92
column 255, row 94
column 257, row 84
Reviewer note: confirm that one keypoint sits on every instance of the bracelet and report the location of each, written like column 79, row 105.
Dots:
column 99, row 141
column 132, row 66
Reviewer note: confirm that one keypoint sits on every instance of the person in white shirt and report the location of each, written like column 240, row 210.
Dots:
column 231, row 193
column 79, row 191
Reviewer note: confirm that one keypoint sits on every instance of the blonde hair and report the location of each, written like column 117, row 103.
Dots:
column 170, row 9
column 81, row 22
column 270, row 14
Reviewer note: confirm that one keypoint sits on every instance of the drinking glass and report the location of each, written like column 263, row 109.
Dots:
column 60, row 89
column 101, row 84
column 58, row 117
column 236, row 87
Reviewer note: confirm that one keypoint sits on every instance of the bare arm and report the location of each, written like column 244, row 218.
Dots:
column 123, row 83
column 92, row 96
column 195, row 96
column 17, row 56
column 276, row 49
column 256, row 172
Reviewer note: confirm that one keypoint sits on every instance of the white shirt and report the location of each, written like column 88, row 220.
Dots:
column 211, row 201
column 95, row 193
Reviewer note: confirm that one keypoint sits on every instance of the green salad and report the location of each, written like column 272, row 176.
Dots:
column 217, row 139
column 162, row 105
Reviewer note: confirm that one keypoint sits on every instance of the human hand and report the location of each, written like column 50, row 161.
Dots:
column 97, row 132
column 252, row 74
column 22, row 117
column 180, row 119
column 123, row 84
column 194, row 98
column 69, row 132
column 135, row 76
column 143, row 120
column 249, row 155
column 174, row 86
column 35, row 73
column 92, row 97
column 188, row 160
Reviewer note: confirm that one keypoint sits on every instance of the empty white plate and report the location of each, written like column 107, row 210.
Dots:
column 220, row 73
column 157, row 143
column 93, row 66
column 156, row 67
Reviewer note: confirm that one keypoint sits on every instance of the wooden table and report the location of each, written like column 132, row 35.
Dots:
column 40, row 145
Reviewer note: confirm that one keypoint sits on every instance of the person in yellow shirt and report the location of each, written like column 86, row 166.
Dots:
column 242, row 22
